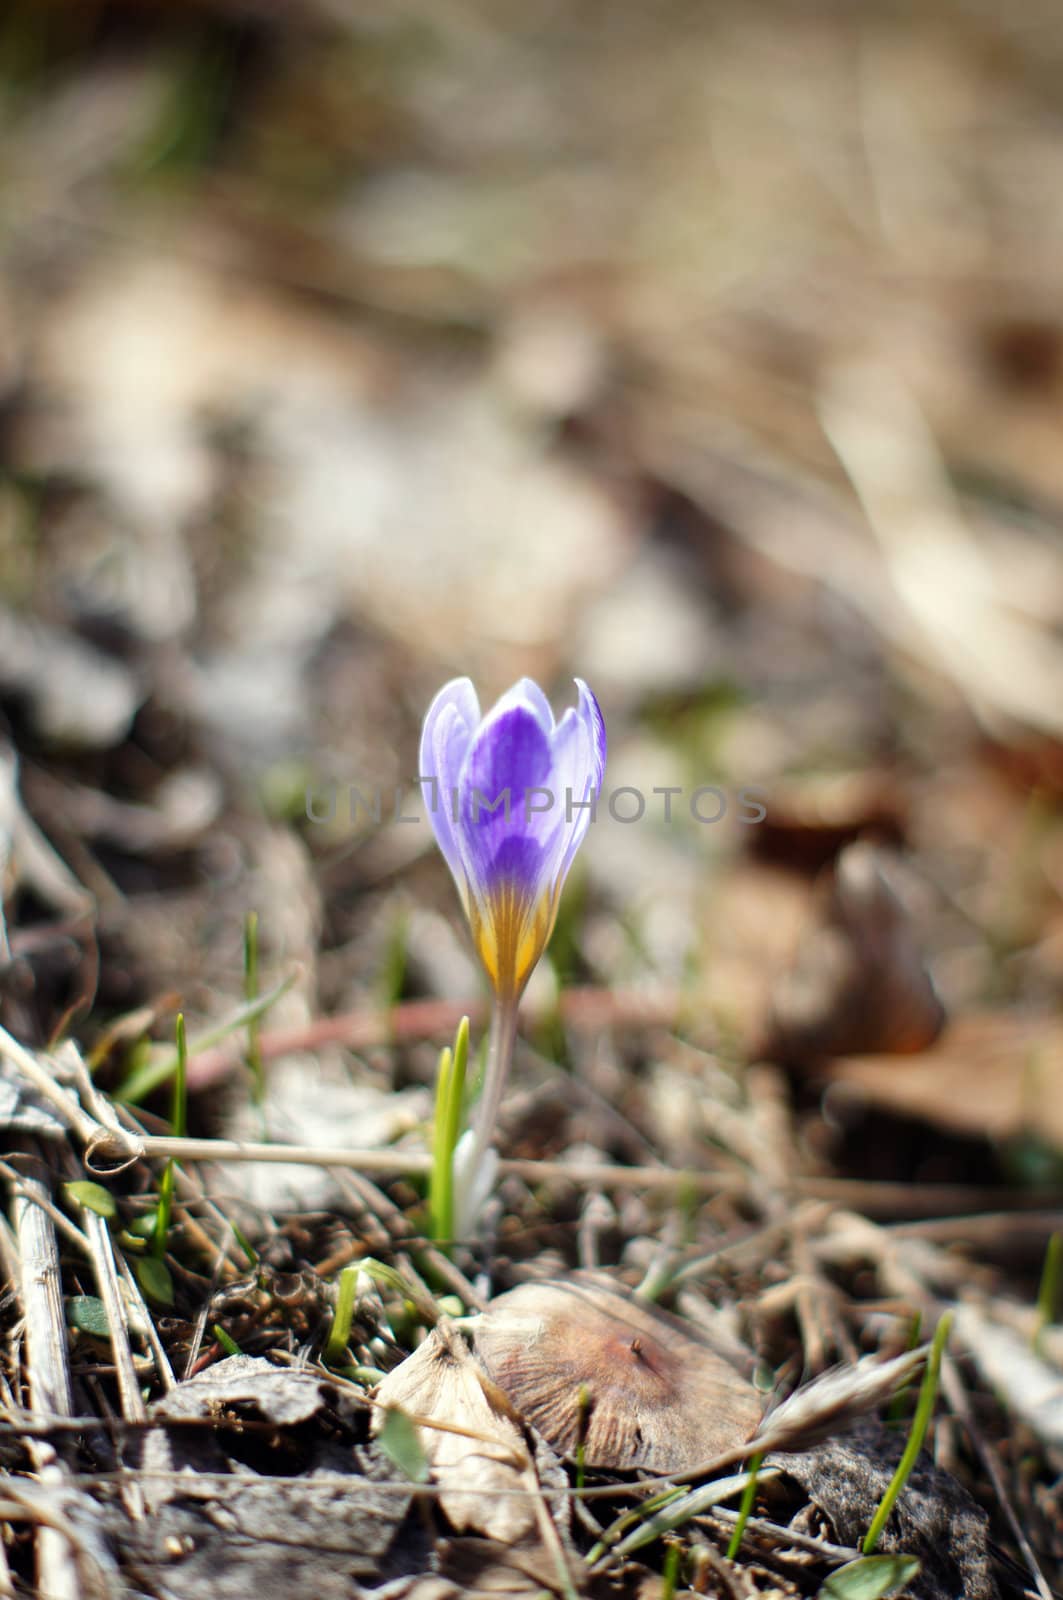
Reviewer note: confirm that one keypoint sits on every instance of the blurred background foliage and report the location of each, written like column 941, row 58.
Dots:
column 713, row 352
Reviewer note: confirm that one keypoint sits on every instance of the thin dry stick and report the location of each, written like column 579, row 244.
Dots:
column 1001, row 1230
column 162, row 1362
column 9, row 1256
column 205, row 1309
column 65, row 1104
column 103, row 1263
column 744, row 1241
column 46, row 1361
column 32, row 1192
column 786, row 1536
column 7, row 1586
column 813, row 1300
column 873, row 1199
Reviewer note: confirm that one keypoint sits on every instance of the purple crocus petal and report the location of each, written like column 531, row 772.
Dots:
column 508, row 858
column 579, row 754
column 526, row 691
column 509, row 754
column 452, row 719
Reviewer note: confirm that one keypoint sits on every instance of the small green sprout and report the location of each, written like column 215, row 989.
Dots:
column 749, row 1494
column 670, row 1576
column 245, row 1244
column 153, row 1275
column 340, row 1332
column 400, row 1442
column 450, row 1091
column 93, row 1196
column 924, row 1410
column 895, row 1414
column 150, row 1075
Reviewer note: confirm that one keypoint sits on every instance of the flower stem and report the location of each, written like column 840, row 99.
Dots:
column 500, row 1043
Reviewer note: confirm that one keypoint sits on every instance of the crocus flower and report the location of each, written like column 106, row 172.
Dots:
column 510, row 796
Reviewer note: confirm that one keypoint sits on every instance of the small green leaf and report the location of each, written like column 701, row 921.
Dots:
column 369, row 1376
column 228, row 1344
column 869, row 1578
column 399, row 1442
column 93, row 1196
column 154, row 1278
column 88, row 1314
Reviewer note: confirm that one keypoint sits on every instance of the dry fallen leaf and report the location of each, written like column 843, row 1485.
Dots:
column 990, row 1076
column 859, row 982
column 483, row 1469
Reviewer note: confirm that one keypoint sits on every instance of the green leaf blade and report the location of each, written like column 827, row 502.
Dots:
column 154, row 1278
column 87, row 1314
column 93, row 1196
column 870, row 1578
column 398, row 1438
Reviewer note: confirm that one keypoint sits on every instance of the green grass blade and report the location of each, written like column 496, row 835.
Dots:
column 340, row 1332
column 179, row 1103
column 179, row 1121
column 441, row 1178
column 450, row 1094
column 749, row 1494
column 924, row 1410
column 670, row 1576
column 228, row 1344
column 670, row 1509
column 153, row 1074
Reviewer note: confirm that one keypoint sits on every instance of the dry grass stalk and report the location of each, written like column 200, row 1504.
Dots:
column 46, row 1364
column 872, row 1197
column 109, row 1285
column 110, row 1138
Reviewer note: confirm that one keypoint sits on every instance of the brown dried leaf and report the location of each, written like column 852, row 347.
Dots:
column 859, row 983
column 991, row 1076
column 484, row 1469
